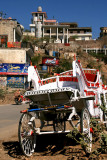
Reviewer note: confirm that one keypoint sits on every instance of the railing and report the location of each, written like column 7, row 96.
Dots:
column 91, row 71
column 69, row 72
column 88, row 83
column 58, row 79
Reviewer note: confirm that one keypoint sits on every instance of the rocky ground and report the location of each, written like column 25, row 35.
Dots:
column 49, row 147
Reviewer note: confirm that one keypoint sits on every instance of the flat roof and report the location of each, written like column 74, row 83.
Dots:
column 9, row 19
column 40, row 12
column 50, row 20
column 85, row 28
column 103, row 27
column 68, row 23
column 57, row 26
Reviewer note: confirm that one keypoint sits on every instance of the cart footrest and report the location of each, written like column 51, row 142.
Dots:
column 52, row 132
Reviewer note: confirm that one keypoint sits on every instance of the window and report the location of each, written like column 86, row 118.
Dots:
column 82, row 38
column 32, row 30
column 48, row 31
column 40, row 17
column 3, row 40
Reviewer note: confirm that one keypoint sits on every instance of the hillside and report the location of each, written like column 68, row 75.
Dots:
column 76, row 47
column 88, row 61
column 66, row 52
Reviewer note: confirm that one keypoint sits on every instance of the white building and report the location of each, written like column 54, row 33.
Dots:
column 60, row 32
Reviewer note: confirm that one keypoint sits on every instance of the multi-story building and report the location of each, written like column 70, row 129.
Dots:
column 14, row 56
column 61, row 32
column 103, row 31
column 10, row 31
column 14, row 63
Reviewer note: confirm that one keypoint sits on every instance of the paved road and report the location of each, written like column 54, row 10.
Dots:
column 9, row 119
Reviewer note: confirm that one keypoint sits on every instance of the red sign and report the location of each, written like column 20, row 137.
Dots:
column 50, row 61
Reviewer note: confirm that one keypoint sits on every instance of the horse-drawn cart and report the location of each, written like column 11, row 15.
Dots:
column 74, row 93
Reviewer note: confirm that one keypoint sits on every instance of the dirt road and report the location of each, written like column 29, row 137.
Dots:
column 9, row 119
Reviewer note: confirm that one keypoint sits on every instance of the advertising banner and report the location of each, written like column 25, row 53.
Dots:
column 50, row 61
column 14, row 68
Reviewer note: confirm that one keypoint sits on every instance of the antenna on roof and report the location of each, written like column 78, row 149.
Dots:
column 2, row 14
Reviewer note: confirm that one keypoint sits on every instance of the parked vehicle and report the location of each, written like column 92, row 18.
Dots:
column 74, row 93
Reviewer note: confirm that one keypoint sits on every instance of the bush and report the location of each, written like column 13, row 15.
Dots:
column 35, row 60
column 2, row 93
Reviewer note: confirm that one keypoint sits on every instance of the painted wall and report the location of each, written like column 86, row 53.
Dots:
column 12, row 56
column 3, row 81
column 15, row 81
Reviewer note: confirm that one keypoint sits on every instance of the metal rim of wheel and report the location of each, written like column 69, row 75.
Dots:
column 85, row 128
column 59, row 123
column 105, row 119
column 16, row 101
column 26, row 134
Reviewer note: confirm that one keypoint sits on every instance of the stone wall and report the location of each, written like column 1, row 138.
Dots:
column 6, row 28
column 12, row 55
column 90, row 44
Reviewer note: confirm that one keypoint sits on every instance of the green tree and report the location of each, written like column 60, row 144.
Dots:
column 66, row 64
column 35, row 60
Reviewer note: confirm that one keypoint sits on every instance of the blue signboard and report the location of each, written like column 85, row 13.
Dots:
column 15, row 82
column 3, row 68
column 16, row 68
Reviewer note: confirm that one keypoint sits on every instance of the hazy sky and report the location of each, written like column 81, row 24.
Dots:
column 87, row 13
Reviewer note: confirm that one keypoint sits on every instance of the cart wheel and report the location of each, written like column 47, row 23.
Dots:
column 105, row 119
column 26, row 134
column 59, row 123
column 85, row 128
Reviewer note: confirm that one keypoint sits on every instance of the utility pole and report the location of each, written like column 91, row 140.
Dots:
column 2, row 14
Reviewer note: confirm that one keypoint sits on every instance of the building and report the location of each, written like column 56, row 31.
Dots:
column 61, row 32
column 10, row 31
column 14, row 64
column 14, row 55
column 96, row 50
column 103, row 31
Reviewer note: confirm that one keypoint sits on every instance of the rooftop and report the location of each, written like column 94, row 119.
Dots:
column 40, row 13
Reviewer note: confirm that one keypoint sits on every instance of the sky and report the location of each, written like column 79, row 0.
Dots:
column 87, row 13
